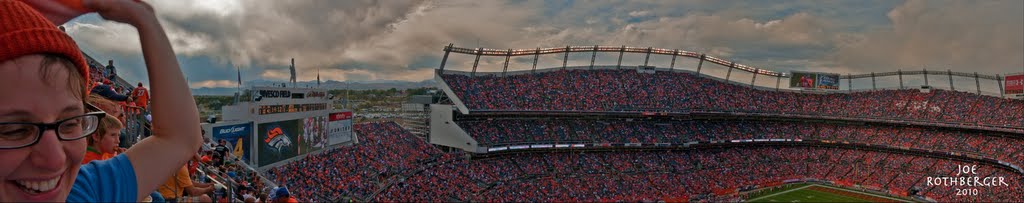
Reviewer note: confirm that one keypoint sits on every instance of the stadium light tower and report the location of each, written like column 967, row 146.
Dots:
column 926, row 77
column 729, row 73
column 536, row 54
column 701, row 63
column 672, row 65
column 849, row 85
column 565, row 60
column 977, row 82
column 874, row 85
column 778, row 80
column 950, row 74
column 621, row 50
column 648, row 57
column 999, row 82
column 753, row 78
column 447, row 50
column 476, row 62
column 900, row 73
column 508, row 55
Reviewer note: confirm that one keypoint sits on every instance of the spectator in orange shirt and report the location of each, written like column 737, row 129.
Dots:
column 282, row 196
column 206, row 159
column 103, row 143
column 175, row 188
column 141, row 95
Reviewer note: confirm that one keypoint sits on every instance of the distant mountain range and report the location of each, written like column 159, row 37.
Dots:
column 330, row 84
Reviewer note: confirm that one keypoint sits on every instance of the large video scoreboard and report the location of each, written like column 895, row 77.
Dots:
column 280, row 123
column 1014, row 84
column 809, row 80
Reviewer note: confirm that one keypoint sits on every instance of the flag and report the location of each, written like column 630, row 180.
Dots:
column 318, row 77
column 239, row 76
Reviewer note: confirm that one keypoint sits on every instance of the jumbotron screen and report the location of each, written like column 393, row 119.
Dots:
column 1015, row 84
column 805, row 80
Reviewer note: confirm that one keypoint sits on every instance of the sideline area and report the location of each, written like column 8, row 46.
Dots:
column 805, row 192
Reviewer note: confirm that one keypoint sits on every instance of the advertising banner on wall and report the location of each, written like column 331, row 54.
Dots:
column 1015, row 83
column 340, row 127
column 278, row 140
column 806, row 80
column 238, row 137
column 286, row 95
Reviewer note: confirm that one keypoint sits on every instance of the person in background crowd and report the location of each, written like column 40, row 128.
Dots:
column 175, row 188
column 207, row 144
column 193, row 165
column 113, row 110
column 147, row 129
column 281, row 196
column 221, row 152
column 141, row 96
column 103, row 143
column 106, row 91
column 45, row 85
column 262, row 197
column 111, row 70
column 107, row 106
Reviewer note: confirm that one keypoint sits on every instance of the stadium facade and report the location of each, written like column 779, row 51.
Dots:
column 602, row 108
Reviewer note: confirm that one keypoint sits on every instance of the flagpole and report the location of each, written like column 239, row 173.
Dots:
column 239, row 70
column 238, row 89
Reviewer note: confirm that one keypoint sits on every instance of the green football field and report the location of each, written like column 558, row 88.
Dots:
column 817, row 193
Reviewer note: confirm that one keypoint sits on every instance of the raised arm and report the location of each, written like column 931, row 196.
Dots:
column 175, row 116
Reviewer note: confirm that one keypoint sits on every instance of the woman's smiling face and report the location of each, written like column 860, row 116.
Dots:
column 46, row 170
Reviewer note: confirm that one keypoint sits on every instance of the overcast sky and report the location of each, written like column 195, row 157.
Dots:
column 367, row 40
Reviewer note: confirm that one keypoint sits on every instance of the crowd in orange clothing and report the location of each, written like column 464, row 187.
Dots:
column 384, row 150
column 502, row 132
column 405, row 168
column 106, row 75
column 630, row 91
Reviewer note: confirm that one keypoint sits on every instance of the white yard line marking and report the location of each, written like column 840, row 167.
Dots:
column 900, row 200
column 783, row 192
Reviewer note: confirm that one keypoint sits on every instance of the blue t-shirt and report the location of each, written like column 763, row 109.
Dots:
column 111, row 180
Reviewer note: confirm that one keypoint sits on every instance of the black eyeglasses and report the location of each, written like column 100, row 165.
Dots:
column 15, row 135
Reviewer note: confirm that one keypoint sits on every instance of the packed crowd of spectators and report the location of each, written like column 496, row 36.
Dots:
column 384, row 151
column 500, row 132
column 421, row 173
column 630, row 91
column 653, row 176
column 133, row 102
column 216, row 164
column 390, row 165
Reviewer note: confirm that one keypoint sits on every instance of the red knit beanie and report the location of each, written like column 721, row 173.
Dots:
column 24, row 31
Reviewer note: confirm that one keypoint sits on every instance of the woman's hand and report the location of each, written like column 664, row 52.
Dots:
column 58, row 11
column 132, row 12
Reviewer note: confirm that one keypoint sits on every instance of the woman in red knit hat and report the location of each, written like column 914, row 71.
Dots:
column 43, row 119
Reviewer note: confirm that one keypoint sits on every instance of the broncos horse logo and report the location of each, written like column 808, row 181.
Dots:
column 277, row 139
